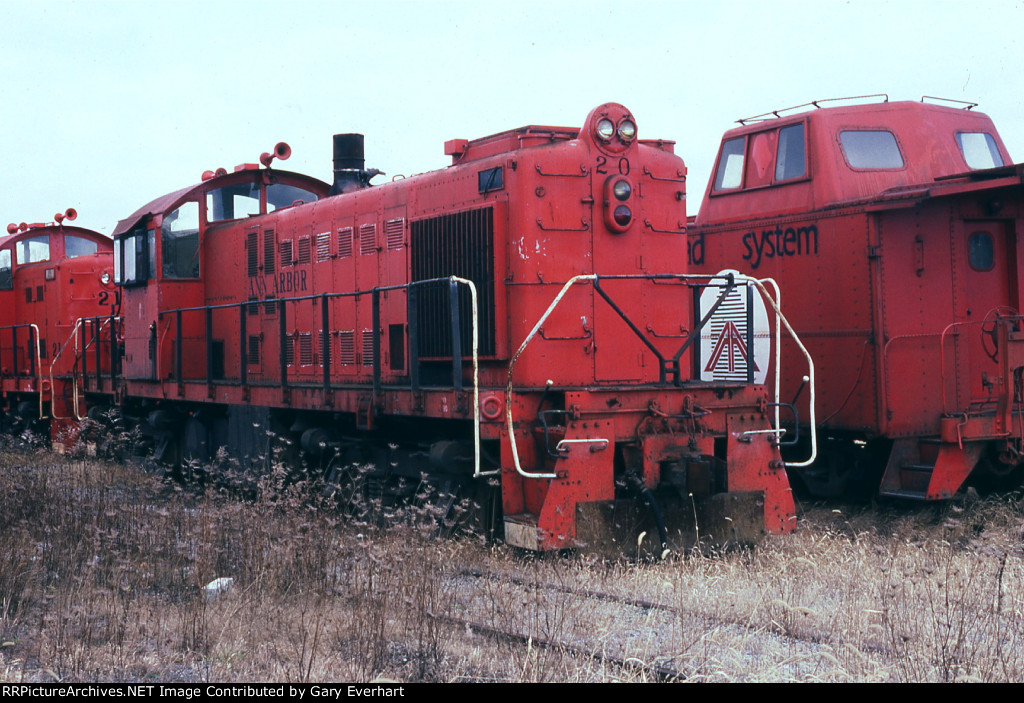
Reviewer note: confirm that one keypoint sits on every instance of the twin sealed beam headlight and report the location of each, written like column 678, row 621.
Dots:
column 606, row 130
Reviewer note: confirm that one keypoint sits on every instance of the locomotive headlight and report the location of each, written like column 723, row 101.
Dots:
column 627, row 131
column 605, row 129
column 622, row 190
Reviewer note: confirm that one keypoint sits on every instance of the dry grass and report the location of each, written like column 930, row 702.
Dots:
column 102, row 566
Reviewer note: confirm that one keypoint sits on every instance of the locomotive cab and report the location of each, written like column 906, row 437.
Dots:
column 896, row 225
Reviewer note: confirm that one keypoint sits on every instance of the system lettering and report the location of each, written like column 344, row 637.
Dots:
column 771, row 243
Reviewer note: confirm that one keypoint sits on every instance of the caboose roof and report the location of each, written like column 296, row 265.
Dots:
column 927, row 139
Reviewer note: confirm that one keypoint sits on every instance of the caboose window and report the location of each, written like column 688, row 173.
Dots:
column 979, row 150
column 179, row 240
column 33, row 249
column 78, row 246
column 981, row 252
column 871, row 149
column 730, row 165
column 791, row 161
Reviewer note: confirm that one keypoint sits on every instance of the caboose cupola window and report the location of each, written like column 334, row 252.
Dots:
column 979, row 150
column 871, row 149
column 791, row 161
column 730, row 164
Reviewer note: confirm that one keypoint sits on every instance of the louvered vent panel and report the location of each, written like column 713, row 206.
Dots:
column 394, row 231
column 323, row 246
column 367, row 239
column 268, row 251
column 252, row 255
column 305, row 349
column 305, row 251
column 253, row 351
column 347, row 347
column 345, row 242
column 367, row 347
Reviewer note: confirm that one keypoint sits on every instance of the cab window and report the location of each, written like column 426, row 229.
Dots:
column 233, row 202
column 179, row 242
column 871, row 149
column 280, row 195
column 78, row 246
column 132, row 261
column 33, row 249
column 6, row 277
column 979, row 150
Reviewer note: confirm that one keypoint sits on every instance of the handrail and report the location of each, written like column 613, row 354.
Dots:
column 731, row 278
column 74, row 376
column 36, row 365
column 810, row 371
column 243, row 307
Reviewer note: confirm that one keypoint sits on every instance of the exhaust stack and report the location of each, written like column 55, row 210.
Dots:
column 349, row 162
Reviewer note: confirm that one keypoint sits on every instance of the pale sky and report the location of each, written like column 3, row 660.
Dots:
column 107, row 105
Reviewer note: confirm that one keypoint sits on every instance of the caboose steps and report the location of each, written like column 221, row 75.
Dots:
column 928, row 468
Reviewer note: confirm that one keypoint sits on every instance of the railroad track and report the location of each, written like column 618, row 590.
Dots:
column 648, row 635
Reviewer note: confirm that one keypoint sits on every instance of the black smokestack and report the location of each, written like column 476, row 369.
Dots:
column 349, row 173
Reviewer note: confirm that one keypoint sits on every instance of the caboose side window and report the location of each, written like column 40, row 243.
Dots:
column 179, row 240
column 730, row 165
column 871, row 149
column 979, row 150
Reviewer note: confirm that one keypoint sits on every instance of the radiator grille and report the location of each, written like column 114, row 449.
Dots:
column 460, row 245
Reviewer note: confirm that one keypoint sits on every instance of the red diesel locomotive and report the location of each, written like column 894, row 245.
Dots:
column 58, row 307
column 523, row 318
column 897, row 227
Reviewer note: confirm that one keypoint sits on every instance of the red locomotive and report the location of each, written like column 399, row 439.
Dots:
column 58, row 307
column 516, row 315
column 897, row 227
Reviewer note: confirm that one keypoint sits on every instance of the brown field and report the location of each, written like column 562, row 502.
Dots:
column 102, row 566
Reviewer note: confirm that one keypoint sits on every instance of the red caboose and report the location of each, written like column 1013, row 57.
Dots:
column 896, row 226
column 515, row 316
column 58, row 305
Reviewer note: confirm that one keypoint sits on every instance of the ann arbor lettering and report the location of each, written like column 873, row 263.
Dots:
column 770, row 243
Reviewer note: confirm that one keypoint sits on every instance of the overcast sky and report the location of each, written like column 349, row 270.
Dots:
column 107, row 105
